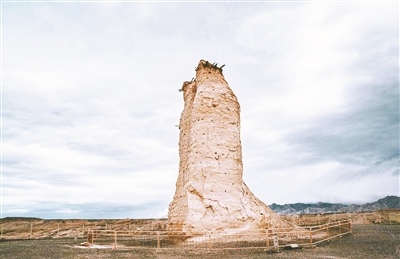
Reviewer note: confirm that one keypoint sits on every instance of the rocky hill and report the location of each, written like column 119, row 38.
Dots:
column 388, row 202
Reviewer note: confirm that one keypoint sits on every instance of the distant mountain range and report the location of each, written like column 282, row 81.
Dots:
column 389, row 202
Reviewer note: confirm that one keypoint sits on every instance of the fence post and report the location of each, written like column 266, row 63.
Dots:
column 310, row 237
column 158, row 240
column 209, row 242
column 1, row 236
column 30, row 237
column 83, row 231
column 350, row 227
column 327, row 230
column 340, row 228
column 90, row 237
column 115, row 239
column 267, row 239
column 58, row 230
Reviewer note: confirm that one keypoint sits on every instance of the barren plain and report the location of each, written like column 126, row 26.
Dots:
column 373, row 237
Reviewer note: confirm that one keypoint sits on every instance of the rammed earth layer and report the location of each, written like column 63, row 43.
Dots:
column 210, row 192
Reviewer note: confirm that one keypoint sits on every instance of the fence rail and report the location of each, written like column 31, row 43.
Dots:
column 394, row 217
column 257, row 238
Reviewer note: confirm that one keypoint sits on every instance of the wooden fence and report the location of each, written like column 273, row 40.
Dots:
column 309, row 236
column 257, row 238
column 394, row 217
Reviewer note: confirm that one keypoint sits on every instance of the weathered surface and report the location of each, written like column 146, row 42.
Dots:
column 210, row 192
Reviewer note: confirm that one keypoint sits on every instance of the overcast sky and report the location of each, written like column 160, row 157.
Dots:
column 90, row 101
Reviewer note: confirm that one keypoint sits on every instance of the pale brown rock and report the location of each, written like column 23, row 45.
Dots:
column 210, row 192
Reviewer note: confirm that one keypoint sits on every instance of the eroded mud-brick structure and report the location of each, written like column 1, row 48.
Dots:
column 210, row 192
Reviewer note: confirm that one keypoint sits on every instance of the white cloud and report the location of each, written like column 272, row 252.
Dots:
column 162, row 214
column 90, row 99
column 328, row 181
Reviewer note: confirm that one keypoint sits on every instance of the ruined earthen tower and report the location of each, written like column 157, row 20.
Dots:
column 210, row 192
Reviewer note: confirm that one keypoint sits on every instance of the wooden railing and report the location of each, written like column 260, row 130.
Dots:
column 309, row 236
column 256, row 238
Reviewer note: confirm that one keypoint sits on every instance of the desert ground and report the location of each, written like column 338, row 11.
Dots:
column 35, row 238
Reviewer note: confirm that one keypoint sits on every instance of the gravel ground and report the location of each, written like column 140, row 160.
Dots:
column 367, row 242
